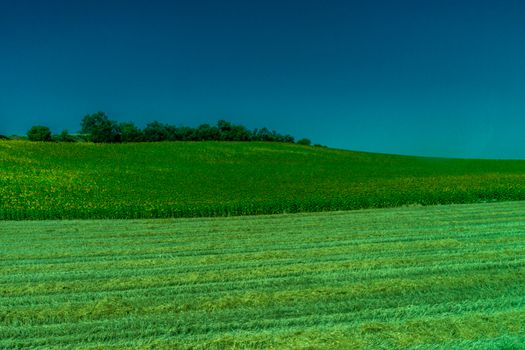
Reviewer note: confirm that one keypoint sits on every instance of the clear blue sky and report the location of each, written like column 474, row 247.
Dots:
column 434, row 77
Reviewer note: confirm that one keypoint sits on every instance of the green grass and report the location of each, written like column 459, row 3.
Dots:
column 187, row 179
column 439, row 277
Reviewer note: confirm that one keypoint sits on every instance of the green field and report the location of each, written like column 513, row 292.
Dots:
column 185, row 179
column 439, row 277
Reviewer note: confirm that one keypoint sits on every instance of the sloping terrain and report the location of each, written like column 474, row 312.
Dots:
column 185, row 179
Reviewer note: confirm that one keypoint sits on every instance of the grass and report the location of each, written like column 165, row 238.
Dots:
column 439, row 277
column 189, row 179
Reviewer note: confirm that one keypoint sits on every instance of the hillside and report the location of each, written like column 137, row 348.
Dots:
column 439, row 277
column 181, row 179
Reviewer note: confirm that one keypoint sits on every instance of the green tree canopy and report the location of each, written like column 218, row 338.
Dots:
column 100, row 128
column 97, row 127
column 156, row 131
column 39, row 133
column 131, row 133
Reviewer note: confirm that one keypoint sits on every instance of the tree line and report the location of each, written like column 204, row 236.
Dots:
column 98, row 128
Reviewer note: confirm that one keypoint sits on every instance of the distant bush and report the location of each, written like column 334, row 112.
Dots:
column 131, row 133
column 264, row 134
column 39, row 133
column 231, row 132
column 100, row 128
column 182, row 133
column 288, row 139
column 305, row 142
column 156, row 131
column 207, row 132
column 224, row 131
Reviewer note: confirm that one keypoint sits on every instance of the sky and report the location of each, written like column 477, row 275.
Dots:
column 435, row 78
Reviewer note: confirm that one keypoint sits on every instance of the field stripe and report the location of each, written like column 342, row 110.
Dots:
column 390, row 278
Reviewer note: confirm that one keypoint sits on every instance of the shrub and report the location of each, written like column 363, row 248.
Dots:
column 182, row 133
column 156, row 131
column 130, row 133
column 100, row 128
column 39, row 133
column 305, row 142
column 207, row 132
column 288, row 139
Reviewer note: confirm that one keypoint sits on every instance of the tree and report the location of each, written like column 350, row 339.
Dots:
column 223, row 125
column 206, row 132
column 184, row 133
column 100, row 128
column 262, row 134
column 305, row 142
column 39, row 133
column 231, row 132
column 3, row 137
column 288, row 139
column 239, row 133
column 155, row 131
column 130, row 133
column 97, row 127
column 224, row 129
column 172, row 132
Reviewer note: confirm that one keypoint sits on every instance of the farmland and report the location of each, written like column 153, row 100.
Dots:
column 438, row 277
column 192, row 179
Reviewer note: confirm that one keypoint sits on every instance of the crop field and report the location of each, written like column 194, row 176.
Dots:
column 437, row 277
column 190, row 179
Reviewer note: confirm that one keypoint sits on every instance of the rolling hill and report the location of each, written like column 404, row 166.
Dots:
column 186, row 179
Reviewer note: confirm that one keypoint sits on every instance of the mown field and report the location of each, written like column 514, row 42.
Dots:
column 186, row 179
column 439, row 277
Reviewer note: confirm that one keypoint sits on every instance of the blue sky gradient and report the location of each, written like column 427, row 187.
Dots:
column 436, row 77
